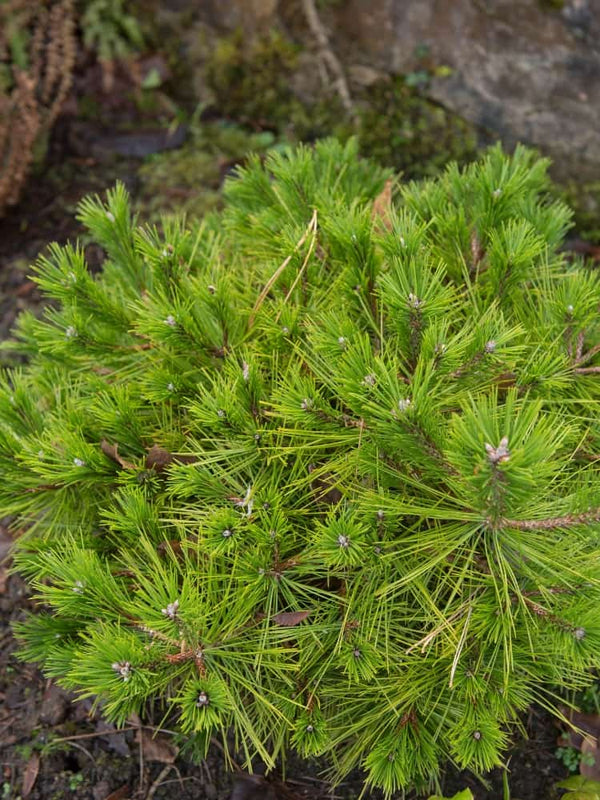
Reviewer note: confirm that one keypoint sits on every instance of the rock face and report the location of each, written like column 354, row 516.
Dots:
column 527, row 70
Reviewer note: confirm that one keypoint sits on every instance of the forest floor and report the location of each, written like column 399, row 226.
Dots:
column 54, row 747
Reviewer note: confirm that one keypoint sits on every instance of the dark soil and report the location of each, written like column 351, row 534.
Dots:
column 58, row 748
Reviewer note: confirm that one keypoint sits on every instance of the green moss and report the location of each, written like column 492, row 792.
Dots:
column 552, row 5
column 251, row 83
column 189, row 179
column 584, row 199
column 398, row 125
column 403, row 129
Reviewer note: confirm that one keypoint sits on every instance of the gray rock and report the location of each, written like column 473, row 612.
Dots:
column 520, row 69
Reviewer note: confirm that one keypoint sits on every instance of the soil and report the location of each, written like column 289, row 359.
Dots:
column 52, row 746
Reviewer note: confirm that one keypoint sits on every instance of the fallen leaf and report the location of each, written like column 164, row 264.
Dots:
column 290, row 618
column 157, row 748
column 382, row 206
column 31, row 773
column 589, row 766
column 112, row 451
column 119, row 794
column 158, row 458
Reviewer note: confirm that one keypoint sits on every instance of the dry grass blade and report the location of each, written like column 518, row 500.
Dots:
column 312, row 227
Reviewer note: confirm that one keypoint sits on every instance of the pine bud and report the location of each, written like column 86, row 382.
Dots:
column 413, row 301
column 171, row 387
column 171, row 610
column 78, row 462
column 78, row 588
column 170, row 320
column 123, row 669
column 500, row 454
column 306, row 404
column 71, row 332
column 404, row 404
column 490, row 346
column 579, row 634
column 246, row 371
column 203, row 700
column 343, row 541
column 309, row 728
column 227, row 533
column 477, row 735
column 110, row 216
column 369, row 380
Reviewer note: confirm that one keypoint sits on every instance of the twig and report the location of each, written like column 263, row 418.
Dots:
column 328, row 56
column 586, row 370
column 583, row 357
column 554, row 522
column 158, row 782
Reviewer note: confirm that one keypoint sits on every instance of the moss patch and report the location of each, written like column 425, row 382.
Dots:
column 584, row 199
column 189, row 179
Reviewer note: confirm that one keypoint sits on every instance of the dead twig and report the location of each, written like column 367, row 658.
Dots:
column 158, row 782
column 328, row 57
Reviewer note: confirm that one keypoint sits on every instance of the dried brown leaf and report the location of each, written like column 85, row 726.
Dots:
column 31, row 772
column 382, row 206
column 590, row 766
column 119, row 794
column 290, row 618
column 112, row 452
column 158, row 458
column 157, row 747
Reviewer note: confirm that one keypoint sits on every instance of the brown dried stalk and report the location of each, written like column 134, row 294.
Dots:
column 29, row 108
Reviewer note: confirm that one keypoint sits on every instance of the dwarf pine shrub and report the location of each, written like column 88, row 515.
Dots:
column 320, row 473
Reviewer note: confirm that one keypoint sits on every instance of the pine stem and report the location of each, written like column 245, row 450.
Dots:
column 569, row 520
